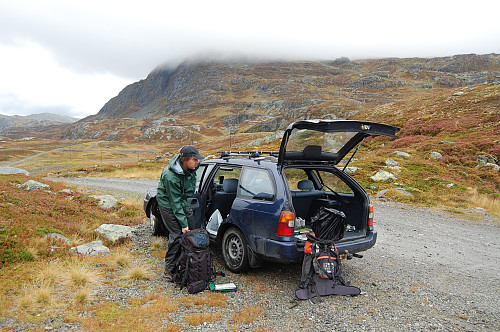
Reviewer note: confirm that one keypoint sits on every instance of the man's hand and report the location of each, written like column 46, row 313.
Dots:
column 185, row 230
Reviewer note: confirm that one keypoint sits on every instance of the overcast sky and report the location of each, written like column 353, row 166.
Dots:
column 71, row 57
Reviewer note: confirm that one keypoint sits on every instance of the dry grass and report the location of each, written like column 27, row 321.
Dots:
column 81, row 275
column 248, row 315
column 122, row 258
column 137, row 272
column 485, row 201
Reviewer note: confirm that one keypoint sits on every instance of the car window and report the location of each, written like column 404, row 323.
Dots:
column 256, row 183
column 332, row 182
column 294, row 176
column 329, row 142
column 223, row 173
column 199, row 175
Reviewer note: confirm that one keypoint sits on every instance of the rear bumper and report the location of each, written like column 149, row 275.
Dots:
column 290, row 251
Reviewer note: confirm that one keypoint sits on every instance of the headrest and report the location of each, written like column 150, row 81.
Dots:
column 312, row 152
column 230, row 185
column 305, row 185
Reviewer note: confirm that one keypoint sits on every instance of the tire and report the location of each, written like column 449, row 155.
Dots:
column 235, row 250
column 156, row 223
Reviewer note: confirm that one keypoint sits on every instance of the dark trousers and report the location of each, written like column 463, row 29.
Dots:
column 174, row 236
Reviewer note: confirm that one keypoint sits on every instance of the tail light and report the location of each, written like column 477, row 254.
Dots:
column 370, row 219
column 285, row 224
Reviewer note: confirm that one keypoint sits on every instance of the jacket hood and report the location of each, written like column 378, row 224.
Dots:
column 175, row 165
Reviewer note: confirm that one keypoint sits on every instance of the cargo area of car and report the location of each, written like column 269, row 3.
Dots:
column 308, row 195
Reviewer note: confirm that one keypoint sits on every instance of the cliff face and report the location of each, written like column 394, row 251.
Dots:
column 209, row 99
column 283, row 87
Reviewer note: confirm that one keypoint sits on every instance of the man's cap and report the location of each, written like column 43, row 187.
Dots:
column 191, row 151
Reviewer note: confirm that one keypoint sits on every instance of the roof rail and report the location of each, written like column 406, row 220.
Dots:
column 249, row 154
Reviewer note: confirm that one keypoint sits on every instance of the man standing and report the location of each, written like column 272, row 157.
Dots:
column 177, row 183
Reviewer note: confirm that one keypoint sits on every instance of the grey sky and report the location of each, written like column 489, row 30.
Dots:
column 70, row 57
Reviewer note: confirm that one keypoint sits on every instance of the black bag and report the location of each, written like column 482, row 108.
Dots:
column 194, row 267
column 329, row 224
column 322, row 271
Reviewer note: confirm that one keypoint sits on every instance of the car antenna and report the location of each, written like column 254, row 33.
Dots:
column 356, row 150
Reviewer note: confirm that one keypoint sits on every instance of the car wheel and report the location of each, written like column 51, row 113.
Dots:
column 234, row 250
column 156, row 224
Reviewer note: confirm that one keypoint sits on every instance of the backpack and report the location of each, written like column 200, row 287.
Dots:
column 194, row 266
column 322, row 271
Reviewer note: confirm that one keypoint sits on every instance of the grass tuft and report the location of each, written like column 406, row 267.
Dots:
column 248, row 315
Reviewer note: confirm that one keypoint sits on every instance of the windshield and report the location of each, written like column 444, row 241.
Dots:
column 329, row 142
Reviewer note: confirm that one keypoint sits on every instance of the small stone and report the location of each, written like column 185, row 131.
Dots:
column 435, row 155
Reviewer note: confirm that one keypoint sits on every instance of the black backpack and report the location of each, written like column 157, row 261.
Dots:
column 194, row 266
column 322, row 271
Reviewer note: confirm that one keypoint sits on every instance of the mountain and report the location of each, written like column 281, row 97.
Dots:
column 213, row 98
column 43, row 123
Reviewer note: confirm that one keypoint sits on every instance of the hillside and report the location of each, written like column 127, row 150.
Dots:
column 207, row 100
column 42, row 125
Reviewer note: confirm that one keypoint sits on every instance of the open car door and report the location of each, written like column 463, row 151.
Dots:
column 326, row 141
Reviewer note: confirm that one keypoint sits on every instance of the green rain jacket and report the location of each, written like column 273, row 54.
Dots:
column 176, row 185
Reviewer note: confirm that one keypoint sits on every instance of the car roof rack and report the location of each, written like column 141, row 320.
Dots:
column 250, row 154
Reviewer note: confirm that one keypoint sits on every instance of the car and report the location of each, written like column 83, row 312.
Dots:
column 257, row 205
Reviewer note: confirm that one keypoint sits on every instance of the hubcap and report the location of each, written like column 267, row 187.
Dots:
column 234, row 249
column 152, row 220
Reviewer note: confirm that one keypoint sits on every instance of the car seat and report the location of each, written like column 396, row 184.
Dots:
column 223, row 200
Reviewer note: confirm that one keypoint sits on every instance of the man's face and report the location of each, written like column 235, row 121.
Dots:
column 191, row 163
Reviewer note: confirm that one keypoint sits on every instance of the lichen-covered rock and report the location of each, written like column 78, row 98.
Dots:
column 114, row 232
column 383, row 176
column 106, row 201
column 33, row 185
column 92, row 248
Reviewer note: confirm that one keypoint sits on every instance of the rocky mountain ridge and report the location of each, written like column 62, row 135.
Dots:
column 16, row 125
column 205, row 98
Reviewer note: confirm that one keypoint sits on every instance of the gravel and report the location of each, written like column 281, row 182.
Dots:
column 429, row 270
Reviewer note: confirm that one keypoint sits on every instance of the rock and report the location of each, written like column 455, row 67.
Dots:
column 402, row 154
column 13, row 170
column 106, row 201
column 383, row 176
column 381, row 193
column 403, row 191
column 67, row 191
column 459, row 93
column 33, row 185
column 435, row 155
column 58, row 237
column 494, row 166
column 391, row 162
column 483, row 160
column 92, row 248
column 351, row 170
column 114, row 232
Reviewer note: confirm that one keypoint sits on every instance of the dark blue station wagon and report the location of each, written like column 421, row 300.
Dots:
column 258, row 205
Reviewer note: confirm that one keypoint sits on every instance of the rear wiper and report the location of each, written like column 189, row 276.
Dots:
column 356, row 150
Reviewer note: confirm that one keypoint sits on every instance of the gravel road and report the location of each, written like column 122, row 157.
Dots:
column 428, row 271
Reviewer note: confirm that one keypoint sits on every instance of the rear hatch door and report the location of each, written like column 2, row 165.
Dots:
column 326, row 141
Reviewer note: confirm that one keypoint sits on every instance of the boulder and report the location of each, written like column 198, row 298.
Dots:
column 383, row 176
column 114, row 232
column 58, row 237
column 13, row 170
column 106, row 201
column 33, row 185
column 351, row 170
column 391, row 162
column 435, row 155
column 402, row 154
column 92, row 248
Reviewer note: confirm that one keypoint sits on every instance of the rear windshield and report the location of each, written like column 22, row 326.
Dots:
column 329, row 142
